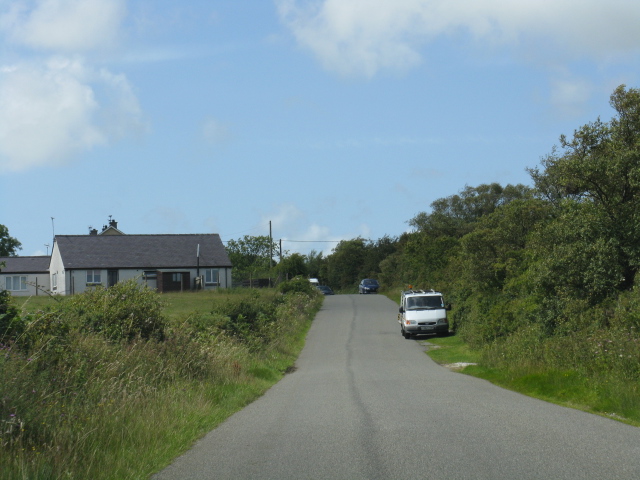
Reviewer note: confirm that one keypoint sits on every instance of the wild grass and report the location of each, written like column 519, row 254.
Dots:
column 77, row 403
column 592, row 370
column 451, row 350
column 575, row 386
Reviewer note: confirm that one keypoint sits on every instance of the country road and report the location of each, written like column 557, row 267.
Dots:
column 364, row 403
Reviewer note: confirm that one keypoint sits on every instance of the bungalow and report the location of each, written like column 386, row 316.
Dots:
column 25, row 276
column 163, row 262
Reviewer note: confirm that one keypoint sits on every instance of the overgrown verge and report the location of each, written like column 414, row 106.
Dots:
column 103, row 385
column 592, row 369
column 554, row 371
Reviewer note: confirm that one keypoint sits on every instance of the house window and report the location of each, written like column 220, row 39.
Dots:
column 211, row 276
column 16, row 283
column 93, row 276
column 150, row 274
column 177, row 277
column 54, row 281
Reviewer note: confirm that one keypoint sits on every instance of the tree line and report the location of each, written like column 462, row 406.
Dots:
column 554, row 258
column 550, row 259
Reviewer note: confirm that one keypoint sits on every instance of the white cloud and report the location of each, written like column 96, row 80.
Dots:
column 51, row 112
column 45, row 115
column 56, row 106
column 362, row 37
column 64, row 25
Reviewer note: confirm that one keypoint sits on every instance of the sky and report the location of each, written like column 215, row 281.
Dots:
column 324, row 120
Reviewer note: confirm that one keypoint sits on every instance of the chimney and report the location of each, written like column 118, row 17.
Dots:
column 93, row 231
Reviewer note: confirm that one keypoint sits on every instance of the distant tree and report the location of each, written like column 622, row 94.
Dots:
column 314, row 261
column 344, row 265
column 454, row 216
column 292, row 266
column 375, row 252
column 251, row 256
column 8, row 245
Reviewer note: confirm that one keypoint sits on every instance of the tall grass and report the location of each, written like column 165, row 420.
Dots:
column 75, row 402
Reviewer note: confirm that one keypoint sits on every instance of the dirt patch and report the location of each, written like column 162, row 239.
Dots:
column 457, row 366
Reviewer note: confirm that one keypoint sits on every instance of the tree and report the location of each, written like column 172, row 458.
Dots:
column 600, row 165
column 376, row 252
column 315, row 262
column 8, row 245
column 574, row 257
column 251, row 256
column 292, row 266
column 454, row 216
column 495, row 250
column 345, row 263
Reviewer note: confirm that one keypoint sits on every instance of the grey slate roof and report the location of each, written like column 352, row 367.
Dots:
column 141, row 251
column 39, row 264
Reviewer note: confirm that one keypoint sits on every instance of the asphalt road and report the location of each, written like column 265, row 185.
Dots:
column 364, row 403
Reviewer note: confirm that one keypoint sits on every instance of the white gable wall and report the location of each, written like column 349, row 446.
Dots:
column 57, row 277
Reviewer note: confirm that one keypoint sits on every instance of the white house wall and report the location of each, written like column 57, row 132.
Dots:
column 75, row 281
column 37, row 284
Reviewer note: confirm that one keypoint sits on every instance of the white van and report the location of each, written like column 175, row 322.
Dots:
column 423, row 312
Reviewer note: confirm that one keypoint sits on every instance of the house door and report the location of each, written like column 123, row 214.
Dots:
column 112, row 277
column 174, row 282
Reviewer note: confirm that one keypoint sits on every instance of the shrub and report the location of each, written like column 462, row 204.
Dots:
column 123, row 311
column 11, row 324
column 248, row 318
column 297, row 285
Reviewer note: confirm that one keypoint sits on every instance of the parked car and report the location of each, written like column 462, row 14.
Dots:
column 368, row 285
column 326, row 290
column 423, row 312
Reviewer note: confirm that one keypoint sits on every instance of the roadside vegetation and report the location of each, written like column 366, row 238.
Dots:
column 542, row 278
column 567, row 387
column 115, row 383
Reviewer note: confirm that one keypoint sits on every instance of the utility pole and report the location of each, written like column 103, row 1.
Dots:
column 270, row 246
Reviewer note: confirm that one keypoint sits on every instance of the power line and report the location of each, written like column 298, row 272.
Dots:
column 311, row 241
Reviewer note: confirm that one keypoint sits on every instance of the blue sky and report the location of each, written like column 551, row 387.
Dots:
column 331, row 119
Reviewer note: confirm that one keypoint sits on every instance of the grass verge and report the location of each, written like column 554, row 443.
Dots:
column 81, row 405
column 602, row 396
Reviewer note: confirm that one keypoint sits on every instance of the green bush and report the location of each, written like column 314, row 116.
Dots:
column 123, row 311
column 297, row 285
column 11, row 324
column 248, row 318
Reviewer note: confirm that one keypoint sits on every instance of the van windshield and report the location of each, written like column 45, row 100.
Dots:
column 425, row 303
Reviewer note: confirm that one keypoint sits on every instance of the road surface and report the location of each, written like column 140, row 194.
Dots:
column 364, row 403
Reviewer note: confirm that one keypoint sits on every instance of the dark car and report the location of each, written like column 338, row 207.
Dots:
column 368, row 285
column 325, row 289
